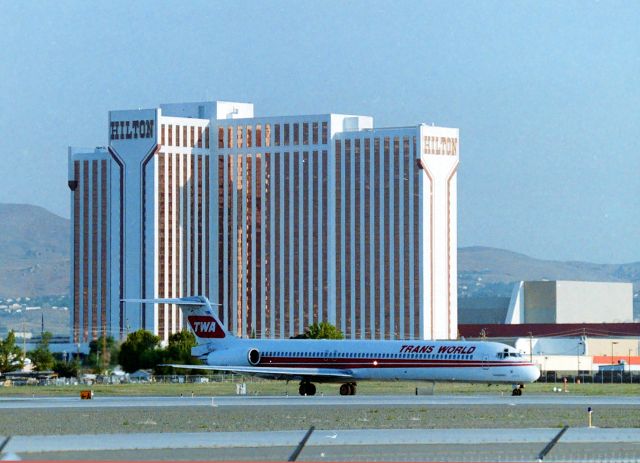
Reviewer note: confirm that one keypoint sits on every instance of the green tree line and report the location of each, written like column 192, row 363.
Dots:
column 141, row 350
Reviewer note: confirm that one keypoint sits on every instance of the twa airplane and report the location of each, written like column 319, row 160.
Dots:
column 344, row 361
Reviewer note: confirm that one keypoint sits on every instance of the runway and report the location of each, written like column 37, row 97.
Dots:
column 344, row 445
column 558, row 400
column 479, row 427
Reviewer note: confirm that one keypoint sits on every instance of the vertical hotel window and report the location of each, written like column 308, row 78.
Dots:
column 177, row 135
column 325, row 133
column 286, row 134
column 85, row 249
column 249, row 136
column 239, row 136
column 192, row 144
column 103, row 250
column 267, row 135
column 378, row 230
column 276, row 129
column 162, row 140
column 339, row 213
column 199, row 137
column 398, row 309
column 406, row 178
column 388, row 232
column 94, row 249
column 220, row 137
column 76, row 254
column 258, row 136
column 315, row 133
column 230, row 137
column 347, row 238
column 325, row 241
column 184, row 136
column 206, row 137
column 305, row 133
column 296, row 134
column 170, row 135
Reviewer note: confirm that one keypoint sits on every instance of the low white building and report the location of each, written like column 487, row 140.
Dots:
column 570, row 302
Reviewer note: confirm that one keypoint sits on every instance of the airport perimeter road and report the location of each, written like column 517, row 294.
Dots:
column 532, row 400
column 340, row 445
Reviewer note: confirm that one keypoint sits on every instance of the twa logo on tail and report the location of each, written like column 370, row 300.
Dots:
column 205, row 326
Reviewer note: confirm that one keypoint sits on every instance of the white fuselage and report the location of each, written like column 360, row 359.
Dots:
column 483, row 362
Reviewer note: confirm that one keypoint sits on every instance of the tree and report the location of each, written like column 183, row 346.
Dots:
column 42, row 357
column 139, row 351
column 99, row 360
column 323, row 330
column 178, row 351
column 11, row 358
column 66, row 369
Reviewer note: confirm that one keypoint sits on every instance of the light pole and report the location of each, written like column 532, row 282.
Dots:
column 578, row 358
column 612, row 343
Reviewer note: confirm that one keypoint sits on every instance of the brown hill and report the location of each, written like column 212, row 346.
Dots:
column 34, row 261
column 34, row 252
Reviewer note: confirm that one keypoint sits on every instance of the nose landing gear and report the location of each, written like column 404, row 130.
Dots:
column 348, row 389
column 517, row 389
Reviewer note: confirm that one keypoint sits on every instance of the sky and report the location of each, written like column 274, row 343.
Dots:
column 546, row 95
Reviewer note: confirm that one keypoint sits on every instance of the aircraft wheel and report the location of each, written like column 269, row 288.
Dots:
column 345, row 389
column 516, row 392
column 307, row 388
column 352, row 389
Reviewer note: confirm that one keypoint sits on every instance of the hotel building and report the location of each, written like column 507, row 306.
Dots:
column 283, row 221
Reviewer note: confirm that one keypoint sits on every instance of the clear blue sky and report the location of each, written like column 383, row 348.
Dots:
column 546, row 95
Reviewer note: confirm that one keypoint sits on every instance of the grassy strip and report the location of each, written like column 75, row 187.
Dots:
column 259, row 418
column 260, row 387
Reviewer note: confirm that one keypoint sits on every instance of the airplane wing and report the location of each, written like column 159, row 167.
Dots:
column 317, row 374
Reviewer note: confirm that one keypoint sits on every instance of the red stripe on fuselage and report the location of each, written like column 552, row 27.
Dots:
column 349, row 363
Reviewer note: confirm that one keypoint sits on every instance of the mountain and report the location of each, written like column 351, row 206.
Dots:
column 34, row 252
column 34, row 261
column 488, row 272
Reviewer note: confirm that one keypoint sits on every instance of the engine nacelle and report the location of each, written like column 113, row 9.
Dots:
column 253, row 356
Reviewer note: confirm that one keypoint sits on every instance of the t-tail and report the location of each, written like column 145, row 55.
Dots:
column 197, row 311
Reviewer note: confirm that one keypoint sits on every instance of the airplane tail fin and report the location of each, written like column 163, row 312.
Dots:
column 203, row 322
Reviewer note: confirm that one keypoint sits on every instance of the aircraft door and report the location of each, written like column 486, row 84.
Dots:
column 485, row 364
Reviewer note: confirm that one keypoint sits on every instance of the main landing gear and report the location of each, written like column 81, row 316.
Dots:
column 307, row 388
column 517, row 389
column 348, row 389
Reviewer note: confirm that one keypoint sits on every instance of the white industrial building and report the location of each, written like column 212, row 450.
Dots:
column 570, row 302
column 283, row 221
column 563, row 326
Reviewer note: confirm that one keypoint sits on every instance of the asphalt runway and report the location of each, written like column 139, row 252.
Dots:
column 558, row 400
column 152, row 433
column 580, row 444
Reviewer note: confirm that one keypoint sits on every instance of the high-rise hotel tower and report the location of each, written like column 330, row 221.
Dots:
column 282, row 221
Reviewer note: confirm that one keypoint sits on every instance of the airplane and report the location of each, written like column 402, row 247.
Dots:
column 347, row 361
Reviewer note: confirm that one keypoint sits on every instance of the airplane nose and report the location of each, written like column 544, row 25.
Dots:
column 534, row 373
